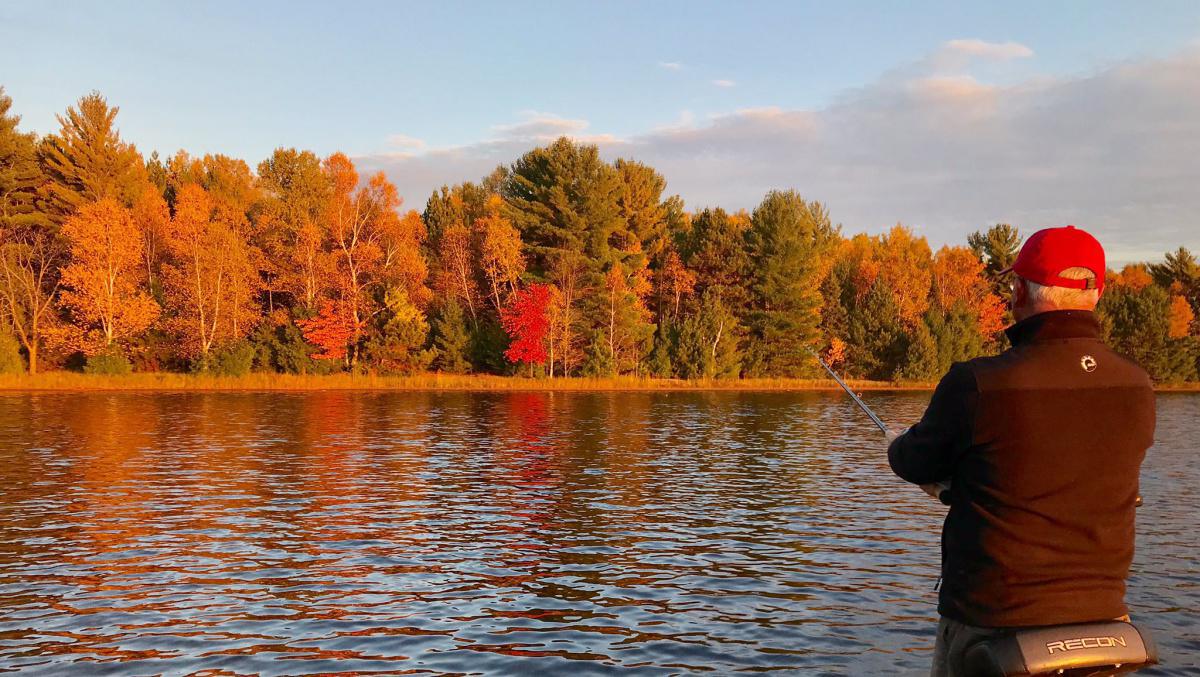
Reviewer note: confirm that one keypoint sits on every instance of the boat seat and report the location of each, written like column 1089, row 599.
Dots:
column 1105, row 648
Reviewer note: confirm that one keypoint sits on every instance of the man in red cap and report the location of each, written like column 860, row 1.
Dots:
column 1041, row 447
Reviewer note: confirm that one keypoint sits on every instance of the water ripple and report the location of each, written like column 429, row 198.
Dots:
column 423, row 533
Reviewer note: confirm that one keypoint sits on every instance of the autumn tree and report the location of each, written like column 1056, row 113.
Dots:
column 357, row 217
column 457, row 279
column 30, row 250
column 675, row 283
column 101, row 284
column 715, row 249
column 152, row 219
column 526, row 321
column 563, row 198
column 20, row 175
column 905, row 266
column 86, row 161
column 210, row 278
column 500, row 252
column 290, row 226
column 29, row 279
column 403, row 265
column 959, row 279
column 625, row 333
column 331, row 330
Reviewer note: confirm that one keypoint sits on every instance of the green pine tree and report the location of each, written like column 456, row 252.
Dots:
column 787, row 238
column 87, row 160
column 451, row 339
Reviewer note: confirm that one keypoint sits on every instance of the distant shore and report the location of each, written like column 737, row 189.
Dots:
column 157, row 381
column 161, row 381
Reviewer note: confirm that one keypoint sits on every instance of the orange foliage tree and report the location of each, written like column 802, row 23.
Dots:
column 358, row 218
column 500, row 253
column 210, row 277
column 101, row 287
column 1179, row 323
column 457, row 275
column 904, row 264
column 675, row 281
column 1134, row 276
column 958, row 278
column 403, row 264
column 332, row 330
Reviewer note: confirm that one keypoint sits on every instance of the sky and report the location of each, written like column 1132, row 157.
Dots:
column 944, row 116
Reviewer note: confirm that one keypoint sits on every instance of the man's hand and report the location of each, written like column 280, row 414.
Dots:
column 892, row 434
column 935, row 489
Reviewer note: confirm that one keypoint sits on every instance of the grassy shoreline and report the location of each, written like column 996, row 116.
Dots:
column 169, row 382
column 72, row 381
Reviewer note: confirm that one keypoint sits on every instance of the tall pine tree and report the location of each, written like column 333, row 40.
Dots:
column 787, row 238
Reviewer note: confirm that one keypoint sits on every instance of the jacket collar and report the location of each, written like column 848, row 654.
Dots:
column 1056, row 324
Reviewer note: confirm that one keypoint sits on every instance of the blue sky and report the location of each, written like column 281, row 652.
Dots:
column 426, row 90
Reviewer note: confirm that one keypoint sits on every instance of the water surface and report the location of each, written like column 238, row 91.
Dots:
column 426, row 533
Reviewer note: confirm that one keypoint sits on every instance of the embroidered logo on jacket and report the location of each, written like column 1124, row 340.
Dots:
column 1088, row 363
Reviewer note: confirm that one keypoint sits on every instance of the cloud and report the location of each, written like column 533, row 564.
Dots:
column 670, row 65
column 724, row 83
column 1001, row 51
column 1113, row 151
column 537, row 126
column 404, row 141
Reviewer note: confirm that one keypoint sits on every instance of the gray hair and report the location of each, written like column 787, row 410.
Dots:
column 1064, row 297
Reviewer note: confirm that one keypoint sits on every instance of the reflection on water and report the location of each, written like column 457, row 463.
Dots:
column 496, row 533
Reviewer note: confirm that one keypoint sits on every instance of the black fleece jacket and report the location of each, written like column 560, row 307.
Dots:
column 1043, row 443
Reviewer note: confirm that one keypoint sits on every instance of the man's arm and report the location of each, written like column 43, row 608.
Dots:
column 928, row 451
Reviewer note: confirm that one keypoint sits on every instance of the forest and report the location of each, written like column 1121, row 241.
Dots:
column 558, row 264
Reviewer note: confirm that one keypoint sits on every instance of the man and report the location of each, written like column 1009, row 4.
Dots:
column 1041, row 446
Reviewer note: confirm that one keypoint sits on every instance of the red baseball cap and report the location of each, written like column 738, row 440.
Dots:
column 1050, row 251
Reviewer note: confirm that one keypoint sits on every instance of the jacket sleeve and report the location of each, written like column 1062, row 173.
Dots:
column 929, row 451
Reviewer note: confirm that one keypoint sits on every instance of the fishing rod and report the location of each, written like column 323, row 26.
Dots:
column 857, row 400
column 943, row 488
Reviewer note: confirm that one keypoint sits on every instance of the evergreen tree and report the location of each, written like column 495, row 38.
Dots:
column 876, row 341
column 19, row 173
column 564, row 200
column 640, row 203
column 451, row 340
column 395, row 347
column 598, row 361
column 997, row 248
column 715, row 251
column 921, row 355
column 659, row 363
column 1136, row 323
column 708, row 341
column 87, row 161
column 786, row 240
column 1180, row 273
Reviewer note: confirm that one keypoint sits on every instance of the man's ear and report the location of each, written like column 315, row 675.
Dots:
column 1020, row 293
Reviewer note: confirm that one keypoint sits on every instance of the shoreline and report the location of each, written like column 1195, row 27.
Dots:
column 62, row 381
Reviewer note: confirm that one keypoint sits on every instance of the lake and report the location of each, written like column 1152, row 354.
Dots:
column 430, row 533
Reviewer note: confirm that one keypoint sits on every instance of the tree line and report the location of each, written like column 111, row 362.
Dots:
column 559, row 264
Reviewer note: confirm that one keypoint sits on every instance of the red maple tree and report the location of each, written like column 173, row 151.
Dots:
column 331, row 331
column 526, row 320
